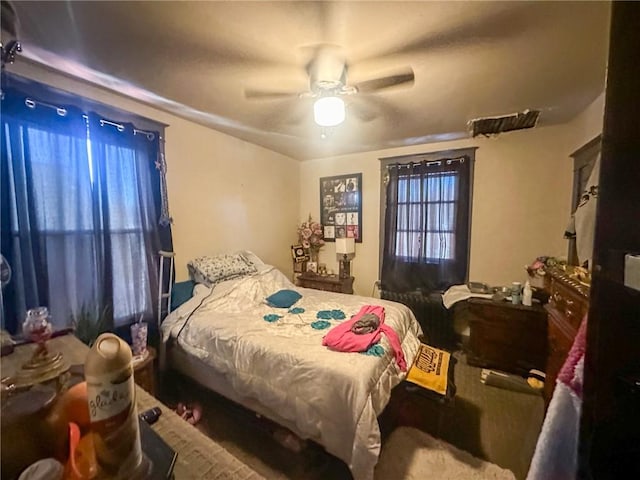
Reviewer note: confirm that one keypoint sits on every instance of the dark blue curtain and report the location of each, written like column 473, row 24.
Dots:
column 128, row 236
column 80, row 209
column 47, row 220
column 426, row 225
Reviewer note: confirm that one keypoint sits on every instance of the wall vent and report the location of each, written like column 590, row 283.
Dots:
column 494, row 125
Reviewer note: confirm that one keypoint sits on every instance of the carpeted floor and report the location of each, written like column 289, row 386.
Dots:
column 411, row 454
column 492, row 424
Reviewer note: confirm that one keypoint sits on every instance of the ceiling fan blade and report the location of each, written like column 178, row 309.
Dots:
column 364, row 112
column 267, row 95
column 385, row 82
column 371, row 107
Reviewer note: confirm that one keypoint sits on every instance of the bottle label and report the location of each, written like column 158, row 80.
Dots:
column 110, row 396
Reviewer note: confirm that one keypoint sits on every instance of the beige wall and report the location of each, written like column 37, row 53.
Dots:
column 224, row 193
column 587, row 125
column 521, row 198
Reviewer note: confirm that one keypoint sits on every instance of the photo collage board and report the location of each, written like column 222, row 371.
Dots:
column 341, row 206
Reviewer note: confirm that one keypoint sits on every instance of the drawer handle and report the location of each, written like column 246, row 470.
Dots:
column 557, row 298
column 569, row 302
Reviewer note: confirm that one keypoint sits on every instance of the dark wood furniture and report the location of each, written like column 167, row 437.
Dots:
column 507, row 337
column 610, row 420
column 329, row 283
column 568, row 304
column 409, row 408
column 144, row 372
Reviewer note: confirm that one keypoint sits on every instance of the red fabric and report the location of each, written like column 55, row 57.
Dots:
column 342, row 339
column 568, row 374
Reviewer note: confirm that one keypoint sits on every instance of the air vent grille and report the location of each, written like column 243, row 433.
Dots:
column 495, row 125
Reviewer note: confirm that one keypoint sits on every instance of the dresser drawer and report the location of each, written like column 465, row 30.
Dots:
column 507, row 315
column 569, row 303
column 561, row 333
column 327, row 283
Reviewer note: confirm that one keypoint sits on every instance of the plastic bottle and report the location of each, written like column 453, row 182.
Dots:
column 527, row 294
column 112, row 409
column 516, row 293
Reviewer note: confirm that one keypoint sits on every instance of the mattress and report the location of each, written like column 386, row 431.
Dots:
column 272, row 360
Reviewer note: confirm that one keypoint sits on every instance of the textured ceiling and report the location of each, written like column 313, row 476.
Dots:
column 196, row 59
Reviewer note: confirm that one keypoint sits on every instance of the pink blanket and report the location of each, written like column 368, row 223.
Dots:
column 556, row 454
column 343, row 339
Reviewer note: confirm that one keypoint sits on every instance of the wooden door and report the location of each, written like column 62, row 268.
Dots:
column 609, row 444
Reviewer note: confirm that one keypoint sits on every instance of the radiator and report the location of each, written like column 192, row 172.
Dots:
column 436, row 321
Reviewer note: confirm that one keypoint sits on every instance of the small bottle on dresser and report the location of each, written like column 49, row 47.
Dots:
column 527, row 294
column 516, row 293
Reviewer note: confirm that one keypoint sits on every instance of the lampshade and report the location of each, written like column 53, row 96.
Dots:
column 345, row 246
column 328, row 111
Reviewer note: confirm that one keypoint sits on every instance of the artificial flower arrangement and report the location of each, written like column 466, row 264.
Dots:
column 310, row 236
column 538, row 269
column 541, row 264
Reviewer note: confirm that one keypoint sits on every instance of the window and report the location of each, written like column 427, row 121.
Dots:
column 426, row 217
column 83, row 228
column 426, row 220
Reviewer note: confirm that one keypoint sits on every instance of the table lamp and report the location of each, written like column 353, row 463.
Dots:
column 345, row 252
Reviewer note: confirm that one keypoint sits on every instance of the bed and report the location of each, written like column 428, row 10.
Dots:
column 272, row 361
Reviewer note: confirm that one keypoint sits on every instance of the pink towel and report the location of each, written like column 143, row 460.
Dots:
column 342, row 339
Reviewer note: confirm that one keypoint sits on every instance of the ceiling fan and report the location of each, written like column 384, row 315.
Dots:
column 327, row 72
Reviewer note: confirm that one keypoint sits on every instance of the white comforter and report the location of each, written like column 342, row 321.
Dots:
column 331, row 397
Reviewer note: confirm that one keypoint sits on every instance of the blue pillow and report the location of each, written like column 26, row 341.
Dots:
column 283, row 298
column 181, row 292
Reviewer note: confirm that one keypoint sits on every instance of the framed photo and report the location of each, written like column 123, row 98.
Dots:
column 341, row 206
column 312, row 267
column 299, row 254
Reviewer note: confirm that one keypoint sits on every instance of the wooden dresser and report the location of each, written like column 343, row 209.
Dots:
column 329, row 283
column 568, row 304
column 507, row 337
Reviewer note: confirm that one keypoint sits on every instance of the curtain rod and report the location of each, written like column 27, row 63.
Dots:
column 29, row 102
column 428, row 163
column 32, row 104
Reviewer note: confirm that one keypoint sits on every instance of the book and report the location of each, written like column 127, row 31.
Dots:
column 161, row 455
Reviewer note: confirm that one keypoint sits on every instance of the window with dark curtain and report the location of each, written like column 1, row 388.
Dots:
column 81, row 205
column 427, row 212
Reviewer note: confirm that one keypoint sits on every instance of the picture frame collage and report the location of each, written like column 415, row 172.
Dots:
column 341, row 206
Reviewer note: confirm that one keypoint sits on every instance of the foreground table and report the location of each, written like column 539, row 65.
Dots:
column 199, row 457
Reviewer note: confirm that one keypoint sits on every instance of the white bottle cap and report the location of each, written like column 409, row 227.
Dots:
column 108, row 347
column 45, row 469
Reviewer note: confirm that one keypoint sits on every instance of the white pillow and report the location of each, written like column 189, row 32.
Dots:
column 251, row 258
column 211, row 270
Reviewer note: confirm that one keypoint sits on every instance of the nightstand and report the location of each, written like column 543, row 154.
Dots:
column 144, row 372
column 507, row 337
column 329, row 283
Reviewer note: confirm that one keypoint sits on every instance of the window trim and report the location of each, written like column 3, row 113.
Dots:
column 414, row 158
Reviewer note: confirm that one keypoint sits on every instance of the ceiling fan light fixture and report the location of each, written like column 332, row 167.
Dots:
column 328, row 111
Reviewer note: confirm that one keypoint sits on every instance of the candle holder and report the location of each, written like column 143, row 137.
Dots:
column 43, row 365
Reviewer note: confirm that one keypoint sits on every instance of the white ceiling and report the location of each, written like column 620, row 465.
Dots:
column 470, row 59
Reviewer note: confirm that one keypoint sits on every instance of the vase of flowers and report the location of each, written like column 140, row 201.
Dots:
column 310, row 235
